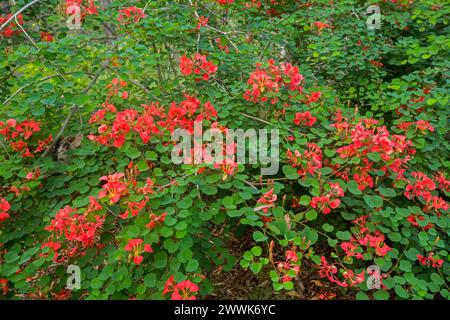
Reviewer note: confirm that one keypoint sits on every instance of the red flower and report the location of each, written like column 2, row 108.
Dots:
column 156, row 220
column 288, row 266
column 202, row 22
column 321, row 203
column 185, row 290
column 321, row 25
column 27, row 128
column 148, row 187
column 304, row 118
column 114, row 188
column 169, row 286
column 4, row 286
column 186, row 65
column 79, row 231
column 421, row 187
column 308, row 162
column 4, row 207
column 54, row 246
column 423, row 125
column 136, row 247
column 199, row 66
column 430, row 261
column 93, row 205
column 130, row 15
column 223, row 2
column 267, row 200
column 313, row 97
column 134, row 208
column 46, row 37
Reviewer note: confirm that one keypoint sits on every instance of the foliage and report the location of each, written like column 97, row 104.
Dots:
column 86, row 174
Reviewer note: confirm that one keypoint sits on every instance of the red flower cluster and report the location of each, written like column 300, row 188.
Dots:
column 134, row 208
column 313, row 97
column 330, row 271
column 328, row 201
column 308, row 162
column 184, row 290
column 19, row 135
column 367, row 138
column 155, row 220
column 422, row 186
column 223, row 2
column 225, row 48
column 46, row 36
column 413, row 220
column 136, row 248
column 12, row 29
column 429, row 261
column 114, row 188
column 4, row 286
column 421, row 125
column 80, row 230
column 289, row 266
column 320, row 25
column 87, row 7
column 4, row 208
column 202, row 22
column 153, row 120
column 363, row 237
column 304, row 118
column 114, row 89
column 266, row 82
column 267, row 200
column 130, row 15
column 199, row 66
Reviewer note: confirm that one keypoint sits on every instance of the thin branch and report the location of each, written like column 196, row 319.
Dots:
column 73, row 109
column 17, row 13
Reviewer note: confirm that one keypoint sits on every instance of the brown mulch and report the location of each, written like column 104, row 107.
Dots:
column 241, row 284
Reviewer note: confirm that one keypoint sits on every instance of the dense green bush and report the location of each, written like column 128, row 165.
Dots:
column 87, row 177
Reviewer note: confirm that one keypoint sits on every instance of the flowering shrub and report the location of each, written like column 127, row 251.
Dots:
column 359, row 208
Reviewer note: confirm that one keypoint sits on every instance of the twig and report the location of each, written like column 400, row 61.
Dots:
column 17, row 13
column 73, row 109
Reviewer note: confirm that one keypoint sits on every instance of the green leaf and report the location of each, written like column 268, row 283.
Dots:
column 133, row 153
column 362, row 296
column 343, row 235
column 373, row 201
column 387, row 192
column 401, row 292
column 290, row 172
column 192, row 265
column 311, row 215
column 258, row 236
column 255, row 267
column 405, row 266
column 160, row 260
column 353, row 187
column 256, row 250
column 150, row 280
column 381, row 295
column 412, row 253
column 151, row 155
column 185, row 203
column 374, row 156
column 96, row 283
